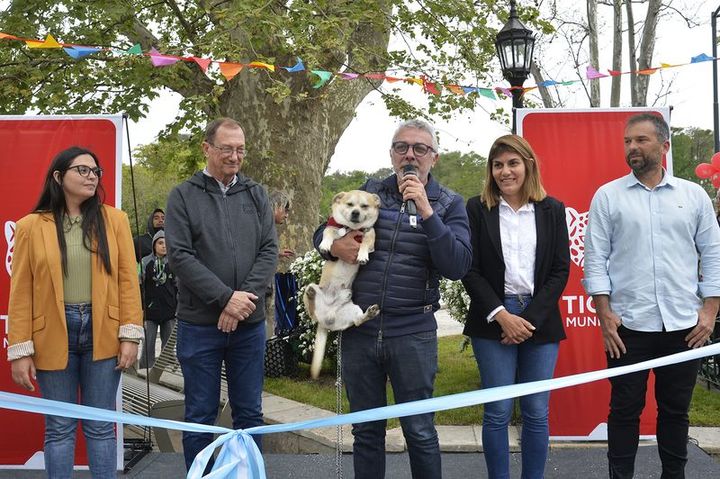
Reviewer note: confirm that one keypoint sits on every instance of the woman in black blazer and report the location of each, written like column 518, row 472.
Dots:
column 520, row 266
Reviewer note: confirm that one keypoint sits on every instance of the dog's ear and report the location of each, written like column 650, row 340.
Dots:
column 376, row 198
column 338, row 197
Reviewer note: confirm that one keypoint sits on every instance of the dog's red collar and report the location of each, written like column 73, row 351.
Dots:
column 344, row 229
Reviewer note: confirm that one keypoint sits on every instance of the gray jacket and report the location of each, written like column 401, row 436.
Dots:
column 219, row 244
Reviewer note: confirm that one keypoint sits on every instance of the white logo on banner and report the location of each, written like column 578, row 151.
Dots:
column 10, row 240
column 576, row 223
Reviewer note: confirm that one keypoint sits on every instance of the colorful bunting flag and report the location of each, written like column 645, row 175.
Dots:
column 78, row 52
column 547, row 83
column 203, row 63
column 298, row 67
column 229, row 70
column 701, row 58
column 430, row 87
column 49, row 42
column 265, row 66
column 374, row 76
column 417, row 81
column 647, row 71
column 159, row 60
column 324, row 77
column 487, row 92
column 457, row 89
column 348, row 76
column 134, row 50
column 592, row 74
column 614, row 73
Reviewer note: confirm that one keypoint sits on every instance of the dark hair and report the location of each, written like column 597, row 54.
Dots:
column 52, row 199
column 661, row 127
column 212, row 127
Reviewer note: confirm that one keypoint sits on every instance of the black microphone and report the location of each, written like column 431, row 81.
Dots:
column 410, row 170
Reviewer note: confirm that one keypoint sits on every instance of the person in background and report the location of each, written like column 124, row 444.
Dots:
column 413, row 250
column 160, row 298
column 521, row 263
column 75, row 316
column 222, row 248
column 646, row 233
column 280, row 203
column 143, row 242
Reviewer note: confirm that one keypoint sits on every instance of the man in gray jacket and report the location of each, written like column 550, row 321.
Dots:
column 222, row 247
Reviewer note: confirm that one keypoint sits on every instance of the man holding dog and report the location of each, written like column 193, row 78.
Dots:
column 646, row 233
column 412, row 253
column 223, row 249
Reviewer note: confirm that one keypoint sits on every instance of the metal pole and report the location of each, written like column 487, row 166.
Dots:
column 716, row 119
column 517, row 101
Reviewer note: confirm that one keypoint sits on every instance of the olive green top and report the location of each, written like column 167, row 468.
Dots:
column 77, row 285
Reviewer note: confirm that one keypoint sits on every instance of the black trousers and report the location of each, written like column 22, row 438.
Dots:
column 674, row 386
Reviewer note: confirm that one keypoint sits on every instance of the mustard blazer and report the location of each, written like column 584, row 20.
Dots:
column 37, row 311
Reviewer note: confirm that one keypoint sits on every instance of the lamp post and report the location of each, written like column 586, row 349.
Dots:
column 716, row 120
column 514, row 45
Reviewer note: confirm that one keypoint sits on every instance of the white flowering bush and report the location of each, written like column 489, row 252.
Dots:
column 455, row 299
column 307, row 269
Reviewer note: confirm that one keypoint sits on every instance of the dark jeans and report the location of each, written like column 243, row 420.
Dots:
column 410, row 362
column 674, row 386
column 201, row 351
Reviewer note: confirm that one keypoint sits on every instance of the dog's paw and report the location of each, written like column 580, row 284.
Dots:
column 363, row 257
column 310, row 292
column 325, row 246
column 372, row 311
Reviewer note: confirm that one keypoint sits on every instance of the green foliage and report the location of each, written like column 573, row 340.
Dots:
column 463, row 173
column 690, row 147
column 151, row 191
column 455, row 299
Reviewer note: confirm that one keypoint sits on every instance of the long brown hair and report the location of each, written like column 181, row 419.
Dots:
column 532, row 188
column 52, row 200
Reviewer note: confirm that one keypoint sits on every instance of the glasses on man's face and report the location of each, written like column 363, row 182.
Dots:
column 85, row 170
column 420, row 149
column 229, row 150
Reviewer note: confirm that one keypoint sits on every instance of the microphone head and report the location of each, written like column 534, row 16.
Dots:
column 409, row 170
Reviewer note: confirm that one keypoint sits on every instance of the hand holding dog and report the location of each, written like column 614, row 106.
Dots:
column 347, row 247
column 412, row 189
column 238, row 308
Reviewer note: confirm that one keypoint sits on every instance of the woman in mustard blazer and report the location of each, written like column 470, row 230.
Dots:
column 75, row 317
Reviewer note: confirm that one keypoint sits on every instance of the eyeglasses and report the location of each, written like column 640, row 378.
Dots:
column 229, row 150
column 420, row 149
column 85, row 170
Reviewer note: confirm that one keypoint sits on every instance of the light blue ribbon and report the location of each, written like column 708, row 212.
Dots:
column 240, row 457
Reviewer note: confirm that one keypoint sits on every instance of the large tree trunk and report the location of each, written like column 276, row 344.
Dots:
column 647, row 47
column 617, row 53
column 631, row 53
column 594, row 57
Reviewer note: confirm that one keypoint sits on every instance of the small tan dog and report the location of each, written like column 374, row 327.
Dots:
column 330, row 303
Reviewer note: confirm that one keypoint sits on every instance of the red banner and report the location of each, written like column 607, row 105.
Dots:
column 28, row 146
column 579, row 151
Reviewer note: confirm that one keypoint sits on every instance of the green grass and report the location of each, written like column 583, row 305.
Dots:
column 457, row 373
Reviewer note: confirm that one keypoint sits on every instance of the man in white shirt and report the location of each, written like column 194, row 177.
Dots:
column 646, row 233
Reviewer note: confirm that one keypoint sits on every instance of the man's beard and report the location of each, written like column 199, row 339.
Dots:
column 639, row 164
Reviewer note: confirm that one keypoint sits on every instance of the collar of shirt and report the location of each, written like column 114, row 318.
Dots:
column 667, row 180
column 527, row 207
column 222, row 186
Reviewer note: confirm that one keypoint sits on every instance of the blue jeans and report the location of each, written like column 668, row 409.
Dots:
column 501, row 365
column 410, row 362
column 98, row 383
column 201, row 351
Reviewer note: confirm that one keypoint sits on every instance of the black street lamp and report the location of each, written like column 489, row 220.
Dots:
column 716, row 120
column 514, row 45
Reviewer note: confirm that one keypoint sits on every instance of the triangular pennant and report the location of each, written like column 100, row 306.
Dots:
column 505, row 91
column 266, row 66
column 49, row 42
column 417, row 81
column 456, row 89
column 470, row 89
column 592, row 74
column 349, row 76
column 615, row 73
column 487, row 92
column 392, row 79
column 203, row 63
column 569, row 82
column 78, row 52
column 547, row 83
column 159, row 60
column 298, row 67
column 324, row 77
column 229, row 70
column 374, row 76
column 134, row 50
column 647, row 71
column 701, row 58
column 431, row 87
column 5, row 35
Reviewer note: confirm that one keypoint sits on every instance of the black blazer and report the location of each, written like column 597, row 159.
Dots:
column 485, row 282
